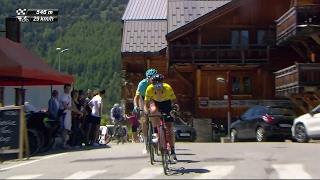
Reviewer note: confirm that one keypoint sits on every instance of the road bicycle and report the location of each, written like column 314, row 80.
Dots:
column 163, row 142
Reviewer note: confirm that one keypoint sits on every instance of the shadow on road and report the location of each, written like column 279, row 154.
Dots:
column 187, row 161
column 111, row 158
column 185, row 154
column 182, row 149
column 220, row 159
column 182, row 171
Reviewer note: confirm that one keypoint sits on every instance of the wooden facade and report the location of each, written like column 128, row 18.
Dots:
column 299, row 28
column 234, row 39
column 241, row 38
column 134, row 67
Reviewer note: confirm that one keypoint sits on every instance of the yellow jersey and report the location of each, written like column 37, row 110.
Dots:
column 166, row 94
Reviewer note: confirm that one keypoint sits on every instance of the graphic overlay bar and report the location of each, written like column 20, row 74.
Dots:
column 42, row 12
column 39, row 19
column 37, row 15
column 43, row 18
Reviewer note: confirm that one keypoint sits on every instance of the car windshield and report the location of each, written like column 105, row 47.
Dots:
column 316, row 110
column 178, row 122
column 281, row 111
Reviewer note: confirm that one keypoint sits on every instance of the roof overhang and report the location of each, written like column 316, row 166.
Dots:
column 215, row 14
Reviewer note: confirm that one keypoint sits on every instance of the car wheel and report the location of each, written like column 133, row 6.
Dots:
column 301, row 133
column 261, row 135
column 234, row 136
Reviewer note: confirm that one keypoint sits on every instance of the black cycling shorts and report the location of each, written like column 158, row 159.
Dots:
column 95, row 120
column 165, row 107
column 134, row 128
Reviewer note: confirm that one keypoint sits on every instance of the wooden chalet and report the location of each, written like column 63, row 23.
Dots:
column 299, row 28
column 200, row 41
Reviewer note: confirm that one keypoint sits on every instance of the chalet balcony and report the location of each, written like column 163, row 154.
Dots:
column 298, row 23
column 297, row 79
column 219, row 54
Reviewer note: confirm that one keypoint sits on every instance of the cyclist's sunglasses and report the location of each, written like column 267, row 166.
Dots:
column 149, row 77
column 158, row 86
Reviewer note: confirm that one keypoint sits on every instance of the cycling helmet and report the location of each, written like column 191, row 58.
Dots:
column 116, row 105
column 150, row 73
column 156, row 79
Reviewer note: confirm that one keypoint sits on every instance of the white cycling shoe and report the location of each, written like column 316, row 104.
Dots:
column 154, row 138
column 173, row 158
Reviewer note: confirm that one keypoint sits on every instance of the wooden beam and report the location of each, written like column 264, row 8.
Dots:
column 180, row 76
column 297, row 100
column 148, row 63
column 316, row 38
column 299, row 51
column 198, row 82
column 191, row 49
column 199, row 37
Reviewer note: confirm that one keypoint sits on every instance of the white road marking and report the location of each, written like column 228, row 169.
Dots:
column 216, row 172
column 27, row 176
column 32, row 161
column 85, row 174
column 146, row 173
column 291, row 171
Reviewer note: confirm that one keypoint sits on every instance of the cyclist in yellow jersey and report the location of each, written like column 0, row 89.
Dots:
column 164, row 99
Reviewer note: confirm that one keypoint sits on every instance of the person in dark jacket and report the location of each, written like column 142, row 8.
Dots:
column 53, row 106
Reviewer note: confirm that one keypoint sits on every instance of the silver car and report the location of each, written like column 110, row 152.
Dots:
column 307, row 126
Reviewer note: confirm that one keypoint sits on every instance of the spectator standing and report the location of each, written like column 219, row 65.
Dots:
column 76, row 135
column 96, row 105
column 83, row 102
column 65, row 111
column 87, row 121
column 53, row 106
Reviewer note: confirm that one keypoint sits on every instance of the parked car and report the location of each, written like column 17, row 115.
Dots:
column 263, row 122
column 307, row 126
column 183, row 131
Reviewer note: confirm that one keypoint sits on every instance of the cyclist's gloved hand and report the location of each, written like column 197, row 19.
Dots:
column 176, row 107
column 136, row 109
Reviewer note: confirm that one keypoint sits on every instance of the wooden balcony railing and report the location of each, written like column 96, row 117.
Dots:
column 219, row 54
column 298, row 21
column 297, row 79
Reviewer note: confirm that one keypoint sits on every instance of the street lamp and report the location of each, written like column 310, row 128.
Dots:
column 61, row 51
column 228, row 82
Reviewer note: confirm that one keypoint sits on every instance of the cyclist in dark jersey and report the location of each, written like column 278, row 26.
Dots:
column 139, row 101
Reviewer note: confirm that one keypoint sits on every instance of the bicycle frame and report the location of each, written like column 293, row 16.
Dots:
column 163, row 142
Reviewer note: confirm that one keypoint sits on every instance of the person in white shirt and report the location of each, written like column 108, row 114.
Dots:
column 65, row 114
column 96, row 105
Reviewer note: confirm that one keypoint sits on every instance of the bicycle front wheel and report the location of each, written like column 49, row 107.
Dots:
column 164, row 151
column 165, row 160
column 149, row 143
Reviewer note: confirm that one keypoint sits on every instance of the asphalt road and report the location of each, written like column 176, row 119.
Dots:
column 196, row 161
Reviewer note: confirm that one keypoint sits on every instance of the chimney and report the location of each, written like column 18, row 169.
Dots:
column 13, row 29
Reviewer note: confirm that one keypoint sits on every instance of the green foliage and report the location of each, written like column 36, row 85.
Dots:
column 105, row 120
column 91, row 29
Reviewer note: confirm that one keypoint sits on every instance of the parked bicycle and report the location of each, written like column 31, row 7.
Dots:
column 120, row 133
